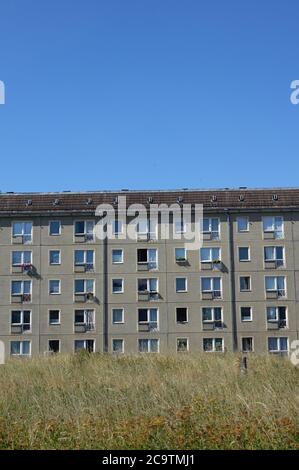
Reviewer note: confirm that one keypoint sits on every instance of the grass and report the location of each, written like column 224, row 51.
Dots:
column 148, row 402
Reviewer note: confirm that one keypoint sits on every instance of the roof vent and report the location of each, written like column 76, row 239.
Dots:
column 214, row 198
column 125, row 189
column 55, row 202
column 242, row 187
column 89, row 201
column 29, row 202
column 115, row 201
column 150, row 199
column 275, row 197
column 180, row 199
column 241, row 197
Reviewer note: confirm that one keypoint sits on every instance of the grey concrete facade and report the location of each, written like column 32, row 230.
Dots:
column 35, row 321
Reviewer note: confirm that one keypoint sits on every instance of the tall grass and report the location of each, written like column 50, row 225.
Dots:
column 148, row 402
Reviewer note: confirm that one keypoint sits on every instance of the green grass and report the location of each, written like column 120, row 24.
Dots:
column 148, row 402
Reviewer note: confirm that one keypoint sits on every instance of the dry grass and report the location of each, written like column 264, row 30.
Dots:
column 148, row 402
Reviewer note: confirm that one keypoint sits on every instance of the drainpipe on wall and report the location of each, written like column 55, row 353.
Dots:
column 232, row 280
column 105, row 296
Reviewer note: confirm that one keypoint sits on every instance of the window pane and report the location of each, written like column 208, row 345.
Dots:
column 207, row 314
column 90, row 285
column 206, row 225
column 16, row 317
column 54, row 257
column 79, row 256
column 154, row 345
column 271, row 313
column 208, row 344
column 181, row 314
column 117, row 256
column 218, row 344
column 16, row 257
column 89, row 227
column 283, row 344
column 79, row 286
column 272, row 344
column 16, row 287
column 27, row 228
column 217, row 314
column 15, row 347
column 205, row 254
column 153, row 315
column 79, row 227
column 244, row 254
column 269, row 253
column 26, row 347
column 142, row 315
column 79, row 316
column 54, row 227
column 117, row 285
column 180, row 284
column 54, row 287
column 117, row 315
column 153, row 285
column 206, row 284
column 17, row 229
column 117, row 345
column 270, row 283
column 242, row 224
column 215, row 225
column 217, row 283
column 79, row 344
column 180, row 254
column 268, row 224
column 143, row 345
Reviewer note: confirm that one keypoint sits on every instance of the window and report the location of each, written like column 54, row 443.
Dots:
column 117, row 345
column 84, row 228
column 117, row 286
column 274, row 253
column 211, row 284
column 246, row 314
column 278, row 344
column 148, row 285
column 54, row 256
column 245, row 283
column 54, row 287
column 211, row 227
column 22, row 230
column 21, row 288
column 21, row 318
column 213, row 344
column 146, row 229
column 21, row 258
column 85, row 344
column 54, row 346
column 274, row 225
column 181, row 284
column 54, row 227
column 85, row 258
column 148, row 345
column 148, row 257
column 117, row 227
column 54, row 317
column 148, row 316
column 277, row 315
column 179, row 226
column 182, row 344
column 117, row 315
column 117, row 256
column 20, row 348
column 243, row 224
column 180, row 254
column 276, row 284
column 247, row 345
column 181, row 315
column 86, row 318
column 208, row 255
column 244, row 253
column 212, row 315
column 84, row 286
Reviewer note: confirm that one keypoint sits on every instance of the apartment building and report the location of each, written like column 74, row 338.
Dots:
column 62, row 289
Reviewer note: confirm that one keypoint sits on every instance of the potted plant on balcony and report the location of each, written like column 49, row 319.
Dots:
column 217, row 264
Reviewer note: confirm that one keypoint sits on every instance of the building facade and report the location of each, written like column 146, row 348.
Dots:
column 62, row 289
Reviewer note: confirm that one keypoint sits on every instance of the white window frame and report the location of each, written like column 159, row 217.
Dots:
column 59, row 343
column 149, row 233
column 272, row 230
column 85, row 234
column 117, row 221
column 22, row 222
column 213, row 350
column 148, row 322
column 122, row 256
column 54, row 234
column 180, row 338
column 212, row 285
column 21, row 348
column 186, row 285
column 276, row 319
column 187, row 316
column 250, row 282
column 278, row 338
column 22, row 323
column 54, row 293
column 22, row 281
column 149, row 340
column 179, row 258
column 213, row 320
column 248, row 320
column 122, row 285
column 252, row 342
column 122, row 316
column 210, row 228
column 211, row 259
column 249, row 254
column 276, row 285
column 274, row 248
column 59, row 316
column 22, row 257
column 183, row 226
column 147, row 257
column 54, row 264
column 85, row 314
column 148, row 284
column 238, row 224
column 85, row 343
column 123, row 345
column 85, row 290
column 84, row 263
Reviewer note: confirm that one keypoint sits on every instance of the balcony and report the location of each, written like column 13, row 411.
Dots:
column 26, row 268
column 84, row 297
column 20, row 298
column 143, row 266
column 276, row 324
column 83, row 327
column 83, row 238
column 275, row 294
column 211, row 295
column 147, row 327
column 269, row 235
column 84, row 268
column 19, row 329
column 212, row 325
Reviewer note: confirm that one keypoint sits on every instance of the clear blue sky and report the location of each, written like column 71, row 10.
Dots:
column 148, row 94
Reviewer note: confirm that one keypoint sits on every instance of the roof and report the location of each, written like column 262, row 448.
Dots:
column 241, row 198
